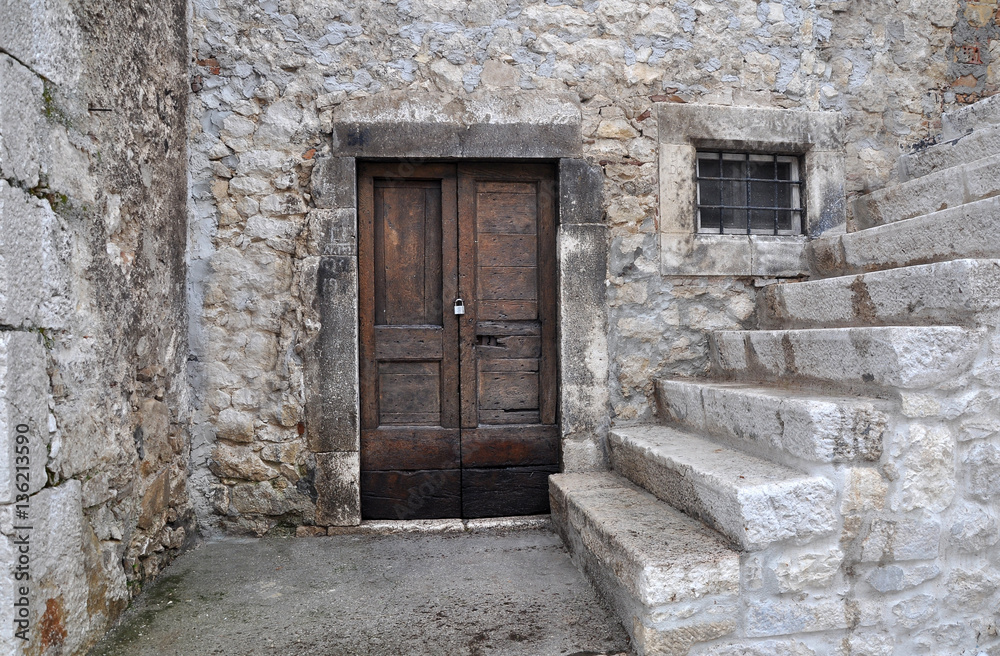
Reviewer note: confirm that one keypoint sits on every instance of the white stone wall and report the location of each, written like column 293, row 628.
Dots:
column 93, row 396
column 271, row 76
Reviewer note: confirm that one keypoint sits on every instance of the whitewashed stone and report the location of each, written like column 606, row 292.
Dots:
column 893, row 578
column 797, row 571
column 916, row 611
column 784, row 617
column 983, row 467
column 928, row 469
column 969, row 589
column 974, row 528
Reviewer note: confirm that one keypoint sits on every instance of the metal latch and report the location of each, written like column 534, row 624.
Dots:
column 459, row 306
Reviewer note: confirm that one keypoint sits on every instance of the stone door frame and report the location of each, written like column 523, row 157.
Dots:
column 544, row 129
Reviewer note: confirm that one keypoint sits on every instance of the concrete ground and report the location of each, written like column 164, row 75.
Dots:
column 470, row 591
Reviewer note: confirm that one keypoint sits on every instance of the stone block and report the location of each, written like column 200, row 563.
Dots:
column 817, row 428
column 332, row 400
column 796, row 571
column 928, row 469
column 267, row 499
column 907, row 357
column 24, row 413
column 333, row 232
column 338, row 489
column 983, row 466
column 963, row 120
column 239, row 462
column 771, row 617
column 752, row 501
column 901, row 539
column 895, row 578
column 45, row 36
column 155, row 501
column 942, row 293
column 583, row 338
column 973, row 528
column 334, row 183
column 825, row 193
column 705, row 255
column 778, row 257
column 971, row 229
column 581, row 192
column 977, row 145
column 59, row 586
column 678, row 191
column 34, row 277
column 752, row 128
column 21, row 120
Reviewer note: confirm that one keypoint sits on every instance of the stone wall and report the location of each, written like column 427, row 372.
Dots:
column 93, row 99
column 271, row 78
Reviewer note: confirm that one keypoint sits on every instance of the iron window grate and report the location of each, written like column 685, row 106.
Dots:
column 749, row 193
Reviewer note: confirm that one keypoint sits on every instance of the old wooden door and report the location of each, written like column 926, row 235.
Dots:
column 458, row 411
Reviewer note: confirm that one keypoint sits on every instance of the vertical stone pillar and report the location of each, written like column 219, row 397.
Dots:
column 332, row 422
column 583, row 258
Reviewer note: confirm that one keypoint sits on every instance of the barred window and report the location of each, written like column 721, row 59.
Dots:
column 749, row 193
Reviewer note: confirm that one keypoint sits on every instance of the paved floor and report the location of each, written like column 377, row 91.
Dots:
column 465, row 593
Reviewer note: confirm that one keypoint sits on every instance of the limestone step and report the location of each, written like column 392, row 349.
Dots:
column 947, row 188
column 952, row 292
column 976, row 116
column 858, row 359
column 964, row 148
column 811, row 427
column 750, row 500
column 669, row 578
column 969, row 231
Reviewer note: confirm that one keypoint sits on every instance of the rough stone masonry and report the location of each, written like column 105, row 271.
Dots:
column 172, row 184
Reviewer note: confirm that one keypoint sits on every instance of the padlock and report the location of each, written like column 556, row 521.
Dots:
column 459, row 306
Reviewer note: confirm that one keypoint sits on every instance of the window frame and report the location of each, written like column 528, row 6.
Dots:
column 795, row 182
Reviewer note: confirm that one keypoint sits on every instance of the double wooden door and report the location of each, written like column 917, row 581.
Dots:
column 458, row 339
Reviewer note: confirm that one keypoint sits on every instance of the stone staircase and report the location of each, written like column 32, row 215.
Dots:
column 748, row 521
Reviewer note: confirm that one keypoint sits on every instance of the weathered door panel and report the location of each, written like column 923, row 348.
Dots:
column 410, row 443
column 508, row 336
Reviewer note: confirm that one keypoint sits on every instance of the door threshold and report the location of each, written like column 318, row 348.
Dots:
column 393, row 526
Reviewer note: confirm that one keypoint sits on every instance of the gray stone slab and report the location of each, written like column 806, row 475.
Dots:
column 968, row 231
column 338, row 489
column 951, row 292
column 966, row 119
column 45, row 36
column 334, row 183
column 672, row 580
column 750, row 500
column 775, row 421
column 583, row 344
column 978, row 144
column 432, row 140
column 24, row 412
column 21, row 121
column 752, row 128
column 901, row 356
column 581, row 192
column 502, row 592
column 34, row 276
column 332, row 372
column 951, row 187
